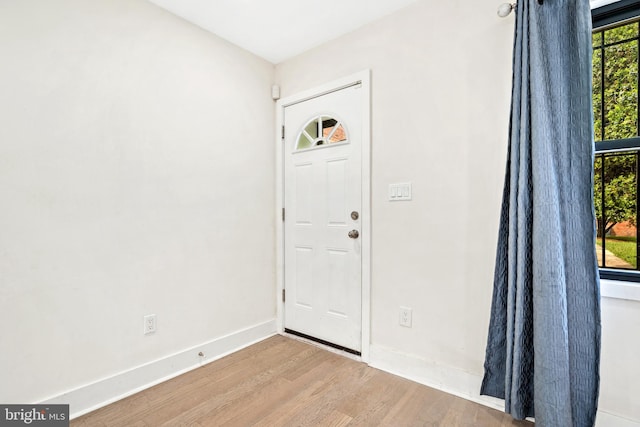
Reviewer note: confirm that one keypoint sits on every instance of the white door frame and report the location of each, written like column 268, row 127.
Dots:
column 364, row 78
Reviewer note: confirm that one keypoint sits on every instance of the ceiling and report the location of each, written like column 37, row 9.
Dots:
column 280, row 29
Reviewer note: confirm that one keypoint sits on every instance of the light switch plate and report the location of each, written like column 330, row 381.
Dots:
column 400, row 191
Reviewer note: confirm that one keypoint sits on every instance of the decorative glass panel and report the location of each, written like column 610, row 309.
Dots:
column 303, row 142
column 333, row 131
column 312, row 129
column 320, row 131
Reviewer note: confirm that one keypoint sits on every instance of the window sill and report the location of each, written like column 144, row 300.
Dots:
column 619, row 289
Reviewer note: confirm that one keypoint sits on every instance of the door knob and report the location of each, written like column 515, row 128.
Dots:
column 354, row 234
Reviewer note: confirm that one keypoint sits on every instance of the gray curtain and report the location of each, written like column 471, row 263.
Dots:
column 543, row 349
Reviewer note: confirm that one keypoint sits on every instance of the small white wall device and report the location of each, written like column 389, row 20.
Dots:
column 275, row 92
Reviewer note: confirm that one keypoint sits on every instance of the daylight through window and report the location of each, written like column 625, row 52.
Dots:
column 615, row 108
column 320, row 131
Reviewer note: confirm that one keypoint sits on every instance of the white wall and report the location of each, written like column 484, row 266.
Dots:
column 136, row 149
column 135, row 152
column 441, row 80
column 619, row 367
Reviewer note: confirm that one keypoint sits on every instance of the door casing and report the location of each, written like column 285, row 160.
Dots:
column 363, row 78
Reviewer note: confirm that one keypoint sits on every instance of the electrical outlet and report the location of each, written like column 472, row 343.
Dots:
column 405, row 316
column 150, row 324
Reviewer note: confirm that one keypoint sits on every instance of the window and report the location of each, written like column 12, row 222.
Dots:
column 616, row 43
column 320, row 131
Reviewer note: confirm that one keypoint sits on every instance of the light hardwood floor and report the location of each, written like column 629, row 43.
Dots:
column 284, row 382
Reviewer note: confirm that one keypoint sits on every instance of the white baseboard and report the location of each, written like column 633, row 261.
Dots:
column 108, row 390
column 445, row 378
column 457, row 382
column 607, row 419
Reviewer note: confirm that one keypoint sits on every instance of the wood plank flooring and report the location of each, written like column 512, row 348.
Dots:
column 284, row 382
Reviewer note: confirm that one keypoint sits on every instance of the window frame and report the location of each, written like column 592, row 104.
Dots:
column 610, row 15
column 615, row 13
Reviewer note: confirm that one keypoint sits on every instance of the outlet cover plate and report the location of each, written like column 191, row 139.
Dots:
column 406, row 315
column 150, row 324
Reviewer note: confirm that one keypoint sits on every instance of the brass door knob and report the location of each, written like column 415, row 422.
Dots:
column 354, row 234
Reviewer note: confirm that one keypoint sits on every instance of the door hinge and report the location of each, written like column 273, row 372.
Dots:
column 282, row 214
column 283, row 132
column 283, row 295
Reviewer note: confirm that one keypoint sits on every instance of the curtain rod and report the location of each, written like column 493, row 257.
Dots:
column 505, row 8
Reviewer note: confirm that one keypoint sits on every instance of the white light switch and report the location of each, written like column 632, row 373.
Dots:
column 400, row 191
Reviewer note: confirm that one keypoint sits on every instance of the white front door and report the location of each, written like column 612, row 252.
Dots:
column 323, row 200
